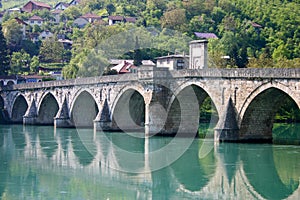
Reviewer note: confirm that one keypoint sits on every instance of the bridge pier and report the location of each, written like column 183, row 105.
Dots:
column 227, row 129
column 62, row 119
column 30, row 117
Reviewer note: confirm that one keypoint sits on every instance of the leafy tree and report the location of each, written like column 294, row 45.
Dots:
column 13, row 34
column 34, row 64
column 4, row 58
column 174, row 19
column 19, row 62
column 110, row 8
column 51, row 50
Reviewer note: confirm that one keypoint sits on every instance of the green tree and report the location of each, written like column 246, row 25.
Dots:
column 13, row 34
column 4, row 58
column 20, row 62
column 51, row 50
column 34, row 64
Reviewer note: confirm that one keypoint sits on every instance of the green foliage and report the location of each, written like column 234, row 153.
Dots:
column 51, row 50
column 4, row 58
column 20, row 62
column 13, row 34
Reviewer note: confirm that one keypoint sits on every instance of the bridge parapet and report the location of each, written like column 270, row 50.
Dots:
column 287, row 73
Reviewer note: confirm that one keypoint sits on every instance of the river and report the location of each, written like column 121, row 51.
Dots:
column 40, row 162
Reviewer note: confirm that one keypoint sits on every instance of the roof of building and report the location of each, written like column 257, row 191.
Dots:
column 62, row 3
column 66, row 41
column 36, row 18
column 40, row 4
column 206, row 35
column 20, row 21
column 6, row 77
column 77, row 1
column 172, row 56
column 124, row 67
column 56, row 11
column 119, row 61
column 116, row 17
column 130, row 19
column 91, row 15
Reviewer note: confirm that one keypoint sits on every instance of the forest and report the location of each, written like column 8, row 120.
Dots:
column 256, row 33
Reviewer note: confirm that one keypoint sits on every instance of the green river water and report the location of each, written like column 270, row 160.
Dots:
column 40, row 162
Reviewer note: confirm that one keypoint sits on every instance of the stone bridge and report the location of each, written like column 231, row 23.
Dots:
column 158, row 101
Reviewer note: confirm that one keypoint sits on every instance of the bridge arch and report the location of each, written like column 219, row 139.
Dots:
column 128, row 108
column 191, row 93
column 19, row 108
column 48, row 107
column 258, row 111
column 84, row 108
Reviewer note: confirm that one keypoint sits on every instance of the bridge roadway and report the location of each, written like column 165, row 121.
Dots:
column 158, row 101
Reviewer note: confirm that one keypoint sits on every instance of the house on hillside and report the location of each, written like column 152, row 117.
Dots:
column 35, row 20
column 45, row 35
column 74, row 2
column 80, row 22
column 119, row 19
column 173, row 62
column 87, row 18
column 91, row 17
column 34, row 5
column 115, row 19
column 61, row 6
column 56, row 15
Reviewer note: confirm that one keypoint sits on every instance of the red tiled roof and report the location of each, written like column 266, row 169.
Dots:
column 130, row 19
column 119, row 18
column 91, row 15
column 36, row 18
column 206, row 35
column 41, row 4
column 56, row 11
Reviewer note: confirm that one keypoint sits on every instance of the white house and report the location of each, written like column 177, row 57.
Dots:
column 74, row 2
column 56, row 15
column 80, row 22
column 45, row 35
column 61, row 6
column 35, row 20
column 173, row 62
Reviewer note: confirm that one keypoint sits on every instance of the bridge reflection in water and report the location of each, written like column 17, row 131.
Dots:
column 53, row 163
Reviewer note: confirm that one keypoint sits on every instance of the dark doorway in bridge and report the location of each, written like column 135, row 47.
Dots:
column 129, row 112
column 19, row 109
column 84, row 110
column 271, row 116
column 192, row 110
column 48, row 110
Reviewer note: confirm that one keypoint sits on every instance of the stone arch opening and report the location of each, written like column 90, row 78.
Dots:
column 260, row 115
column 10, row 83
column 19, row 109
column 84, row 110
column 129, row 112
column 47, row 110
column 192, row 110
